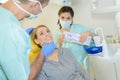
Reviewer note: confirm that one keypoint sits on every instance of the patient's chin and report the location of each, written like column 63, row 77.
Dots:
column 49, row 41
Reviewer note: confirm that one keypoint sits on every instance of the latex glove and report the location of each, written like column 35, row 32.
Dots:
column 48, row 49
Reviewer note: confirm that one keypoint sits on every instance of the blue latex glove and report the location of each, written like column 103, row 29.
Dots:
column 48, row 49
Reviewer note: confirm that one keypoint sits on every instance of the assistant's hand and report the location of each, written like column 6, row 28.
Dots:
column 48, row 49
column 60, row 39
column 84, row 36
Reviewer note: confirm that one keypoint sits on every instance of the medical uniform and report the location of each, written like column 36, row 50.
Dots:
column 77, row 49
column 14, row 48
column 67, row 68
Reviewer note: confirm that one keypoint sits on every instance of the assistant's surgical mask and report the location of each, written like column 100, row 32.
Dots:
column 16, row 2
column 65, row 24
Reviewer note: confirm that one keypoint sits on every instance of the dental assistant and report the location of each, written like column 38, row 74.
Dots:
column 65, row 23
column 15, row 42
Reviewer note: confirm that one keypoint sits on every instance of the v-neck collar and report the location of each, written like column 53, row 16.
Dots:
column 55, row 62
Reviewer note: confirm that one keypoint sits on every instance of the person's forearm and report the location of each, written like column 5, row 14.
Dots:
column 36, row 67
column 59, row 45
column 92, row 34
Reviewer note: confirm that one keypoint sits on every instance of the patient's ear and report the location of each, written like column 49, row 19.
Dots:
column 35, row 40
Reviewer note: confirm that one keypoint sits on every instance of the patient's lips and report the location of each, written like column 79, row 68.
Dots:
column 48, row 39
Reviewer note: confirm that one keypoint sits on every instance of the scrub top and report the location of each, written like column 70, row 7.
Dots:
column 77, row 49
column 14, row 48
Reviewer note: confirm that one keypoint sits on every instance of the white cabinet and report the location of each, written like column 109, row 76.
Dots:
column 105, row 69
column 104, row 6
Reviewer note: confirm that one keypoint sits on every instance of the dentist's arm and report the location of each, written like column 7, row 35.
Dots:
column 36, row 67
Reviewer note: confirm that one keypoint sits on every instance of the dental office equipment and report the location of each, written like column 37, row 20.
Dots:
column 103, row 42
column 29, row 30
column 98, row 45
column 97, row 40
column 92, row 49
column 75, row 38
column 107, row 55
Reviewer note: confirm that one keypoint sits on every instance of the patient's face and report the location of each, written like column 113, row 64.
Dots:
column 43, row 36
column 66, row 16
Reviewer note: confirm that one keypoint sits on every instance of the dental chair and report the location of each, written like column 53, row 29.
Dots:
column 34, row 49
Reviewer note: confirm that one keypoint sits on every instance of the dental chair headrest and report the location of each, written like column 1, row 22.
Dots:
column 29, row 30
column 34, row 48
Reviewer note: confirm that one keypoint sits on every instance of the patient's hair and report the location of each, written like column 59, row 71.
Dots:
column 34, row 35
column 64, row 9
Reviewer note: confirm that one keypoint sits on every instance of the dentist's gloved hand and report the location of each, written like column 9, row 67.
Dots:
column 48, row 49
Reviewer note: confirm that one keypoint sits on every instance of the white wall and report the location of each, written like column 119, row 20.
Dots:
column 83, row 16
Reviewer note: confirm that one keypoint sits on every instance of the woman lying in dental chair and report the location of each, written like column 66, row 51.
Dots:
column 61, row 64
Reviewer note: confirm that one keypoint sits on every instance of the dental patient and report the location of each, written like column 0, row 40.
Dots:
column 61, row 64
